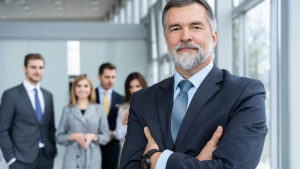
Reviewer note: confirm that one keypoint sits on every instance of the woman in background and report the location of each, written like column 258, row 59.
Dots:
column 134, row 82
column 83, row 126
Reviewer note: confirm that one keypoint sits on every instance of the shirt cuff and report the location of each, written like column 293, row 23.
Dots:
column 163, row 158
column 11, row 161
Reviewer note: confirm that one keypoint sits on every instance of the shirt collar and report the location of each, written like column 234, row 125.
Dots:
column 196, row 79
column 109, row 91
column 29, row 87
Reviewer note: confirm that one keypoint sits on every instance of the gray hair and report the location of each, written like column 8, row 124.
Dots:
column 181, row 3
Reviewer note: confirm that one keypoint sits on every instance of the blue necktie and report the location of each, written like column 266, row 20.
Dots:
column 180, row 107
column 38, row 108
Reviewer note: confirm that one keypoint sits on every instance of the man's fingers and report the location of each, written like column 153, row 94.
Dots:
column 216, row 136
column 148, row 134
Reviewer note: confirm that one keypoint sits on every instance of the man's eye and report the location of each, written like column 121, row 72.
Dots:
column 175, row 29
column 197, row 27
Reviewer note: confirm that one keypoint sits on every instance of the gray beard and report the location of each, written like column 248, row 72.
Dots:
column 188, row 61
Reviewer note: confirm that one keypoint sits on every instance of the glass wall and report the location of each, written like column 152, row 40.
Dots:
column 251, row 55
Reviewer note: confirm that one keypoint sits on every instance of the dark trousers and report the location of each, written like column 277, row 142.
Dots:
column 110, row 155
column 41, row 162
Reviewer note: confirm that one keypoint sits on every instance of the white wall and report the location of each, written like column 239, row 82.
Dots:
column 126, row 55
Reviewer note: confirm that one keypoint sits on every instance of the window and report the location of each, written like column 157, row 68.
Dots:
column 73, row 54
column 258, row 60
column 251, row 54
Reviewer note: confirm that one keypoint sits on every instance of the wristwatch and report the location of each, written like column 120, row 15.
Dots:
column 146, row 158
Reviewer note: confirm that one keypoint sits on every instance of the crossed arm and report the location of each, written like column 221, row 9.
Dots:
column 205, row 154
column 240, row 147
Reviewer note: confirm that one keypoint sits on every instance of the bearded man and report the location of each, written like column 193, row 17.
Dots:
column 202, row 117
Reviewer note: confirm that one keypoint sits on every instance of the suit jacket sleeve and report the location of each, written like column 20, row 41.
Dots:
column 52, row 124
column 135, row 141
column 7, row 110
column 243, row 138
column 103, row 130
column 239, row 148
column 62, row 134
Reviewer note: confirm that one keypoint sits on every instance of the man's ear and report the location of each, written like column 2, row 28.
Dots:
column 98, row 76
column 24, row 69
column 214, row 39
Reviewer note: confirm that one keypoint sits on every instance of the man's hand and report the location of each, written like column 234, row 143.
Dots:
column 211, row 145
column 151, row 145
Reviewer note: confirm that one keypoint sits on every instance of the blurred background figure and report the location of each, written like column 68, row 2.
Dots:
column 27, row 129
column 110, row 100
column 83, row 126
column 134, row 82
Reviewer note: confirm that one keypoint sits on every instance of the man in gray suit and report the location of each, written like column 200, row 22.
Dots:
column 27, row 130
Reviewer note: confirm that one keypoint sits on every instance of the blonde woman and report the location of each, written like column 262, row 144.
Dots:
column 83, row 126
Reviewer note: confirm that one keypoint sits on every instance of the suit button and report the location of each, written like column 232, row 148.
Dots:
column 192, row 154
column 77, row 156
column 77, row 166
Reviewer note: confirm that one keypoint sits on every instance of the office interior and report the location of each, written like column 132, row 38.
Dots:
column 256, row 38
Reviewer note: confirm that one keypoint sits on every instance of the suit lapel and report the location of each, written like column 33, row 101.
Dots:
column 25, row 96
column 77, row 113
column 97, row 95
column 205, row 91
column 113, row 100
column 89, row 112
column 165, row 103
column 47, row 104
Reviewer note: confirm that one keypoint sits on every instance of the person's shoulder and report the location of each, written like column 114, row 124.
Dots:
column 96, row 106
column 68, row 107
column 13, row 89
column 117, row 94
column 46, row 91
column 235, row 81
column 155, row 87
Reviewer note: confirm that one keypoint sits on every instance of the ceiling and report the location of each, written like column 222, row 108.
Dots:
column 56, row 10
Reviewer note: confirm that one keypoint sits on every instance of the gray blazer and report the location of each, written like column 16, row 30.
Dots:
column 72, row 121
column 20, row 131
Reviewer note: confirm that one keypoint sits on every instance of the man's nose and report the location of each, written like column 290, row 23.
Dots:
column 186, row 35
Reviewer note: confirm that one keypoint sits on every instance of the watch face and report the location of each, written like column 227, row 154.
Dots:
column 144, row 163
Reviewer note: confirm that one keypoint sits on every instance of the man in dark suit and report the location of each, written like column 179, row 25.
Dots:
column 182, row 112
column 110, row 100
column 27, row 130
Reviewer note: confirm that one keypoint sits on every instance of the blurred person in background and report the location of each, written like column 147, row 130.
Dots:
column 134, row 82
column 83, row 127
column 110, row 100
column 27, row 129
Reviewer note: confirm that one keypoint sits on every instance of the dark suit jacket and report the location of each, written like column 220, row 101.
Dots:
column 234, row 102
column 20, row 130
column 110, row 151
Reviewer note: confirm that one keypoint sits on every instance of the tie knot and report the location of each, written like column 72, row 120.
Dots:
column 35, row 90
column 185, row 85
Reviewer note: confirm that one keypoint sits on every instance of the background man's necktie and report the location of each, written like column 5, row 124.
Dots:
column 38, row 108
column 106, row 103
column 180, row 107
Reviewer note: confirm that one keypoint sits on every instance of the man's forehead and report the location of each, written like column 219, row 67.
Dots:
column 193, row 12
column 36, row 62
column 109, row 71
